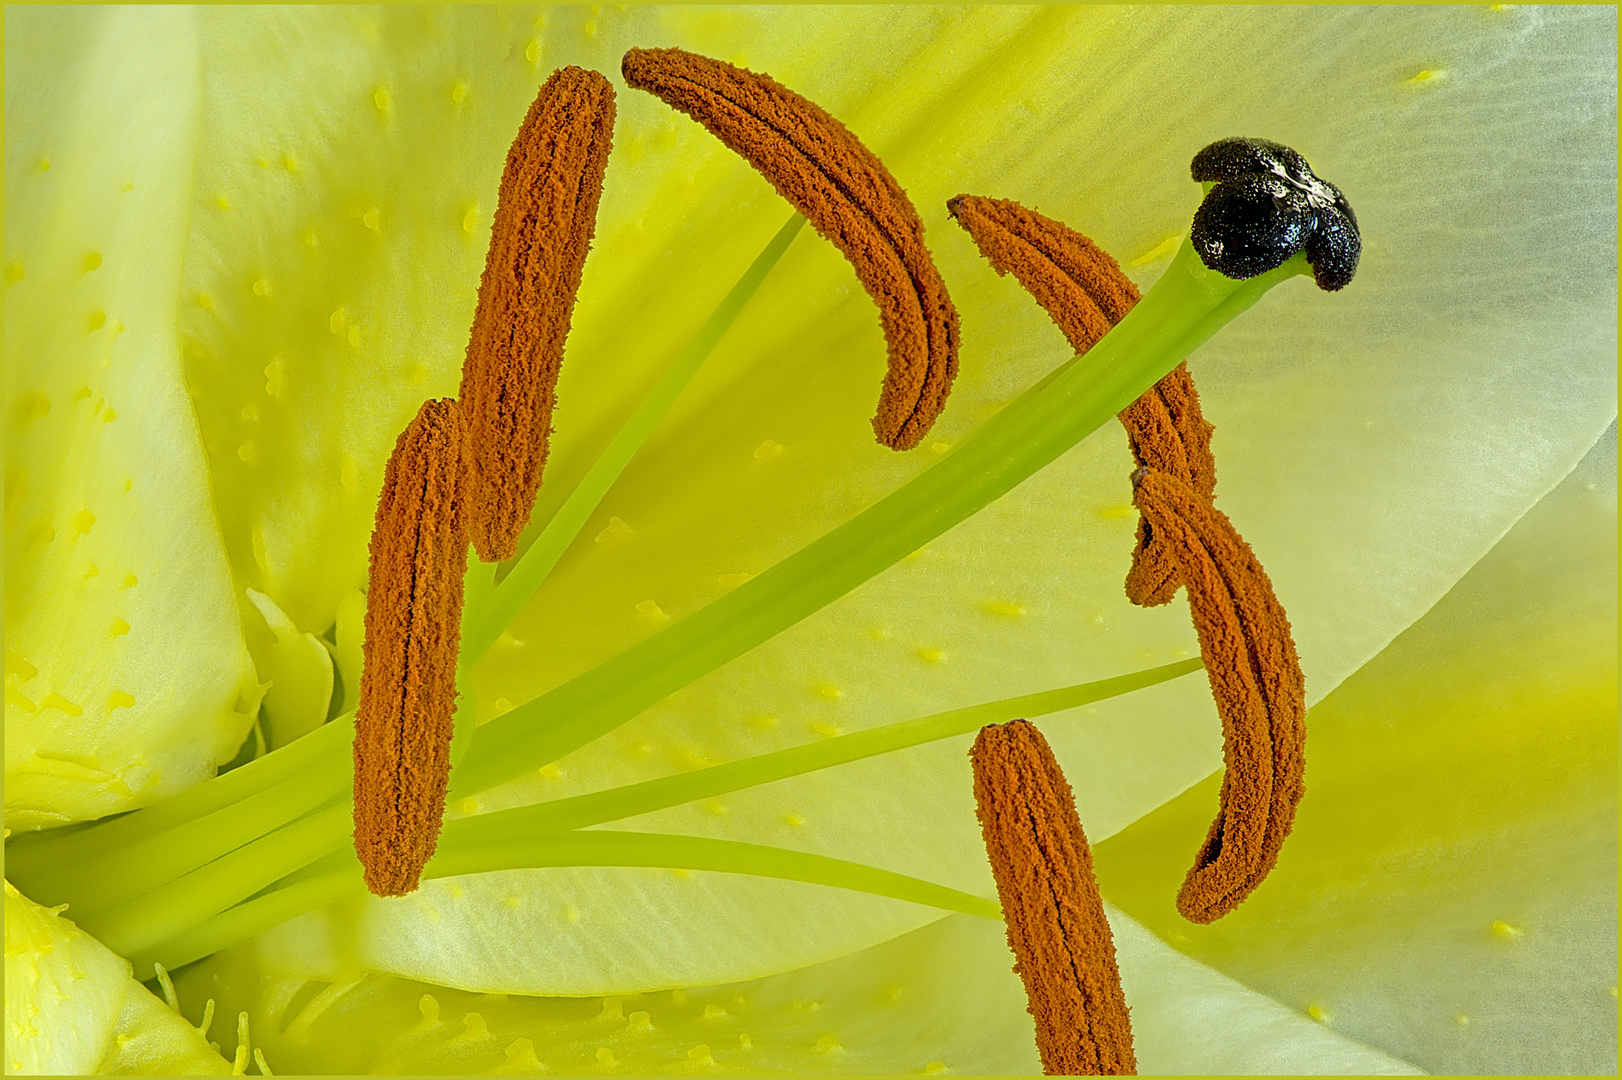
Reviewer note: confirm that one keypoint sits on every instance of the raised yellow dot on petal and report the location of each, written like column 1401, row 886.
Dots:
column 829, row 691
column 248, row 453
column 639, row 1021
column 14, row 271
column 120, row 628
column 372, row 219
column 768, row 449
column 61, row 704
column 82, row 521
column 1121, row 510
column 652, row 610
column 290, row 163
column 474, row 1027
column 312, row 238
column 550, row 771
column 43, row 164
column 250, row 412
column 935, row 1068
column 825, row 729
column 337, row 320
column 1003, row 608
column 119, row 700
column 92, row 261
column 383, row 100
column 793, row 820
column 261, row 287
column 91, row 571
column 470, row 220
column 700, row 1053
column 520, row 1058
column 762, row 721
column 1504, row 931
column 614, row 528
column 97, row 320
column 717, row 808
column 1461, row 1020
column 1429, row 75
column 353, row 337
column 1160, row 250
column 109, row 415
column 469, row 805
column 222, row 202
column 349, row 474
column 459, row 93
column 939, row 447
column 1318, row 1013
column 613, row 1009
column 829, row 1044
column 532, row 52
column 204, row 302
column 130, row 581
column 932, row 655
column 33, row 405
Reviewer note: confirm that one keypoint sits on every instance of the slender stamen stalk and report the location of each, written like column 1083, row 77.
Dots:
column 514, row 828
column 618, row 849
column 623, row 802
column 537, row 562
column 186, row 901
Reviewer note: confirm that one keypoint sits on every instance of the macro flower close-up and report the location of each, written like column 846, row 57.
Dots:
column 710, row 804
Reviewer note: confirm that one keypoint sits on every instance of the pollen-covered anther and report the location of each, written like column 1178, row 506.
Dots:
column 404, row 720
column 546, row 214
column 1056, row 926
column 848, row 196
column 1085, row 293
column 1256, row 680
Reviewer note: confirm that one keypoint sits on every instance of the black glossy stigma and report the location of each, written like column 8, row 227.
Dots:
column 1266, row 206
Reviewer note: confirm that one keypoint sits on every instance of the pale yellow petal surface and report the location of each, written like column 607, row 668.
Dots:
column 942, row 999
column 64, row 991
column 126, row 675
column 1449, row 893
column 151, row 1039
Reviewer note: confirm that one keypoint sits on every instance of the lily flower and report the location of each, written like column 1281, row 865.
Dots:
column 243, row 246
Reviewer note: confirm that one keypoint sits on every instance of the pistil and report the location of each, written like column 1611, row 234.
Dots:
column 848, row 195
